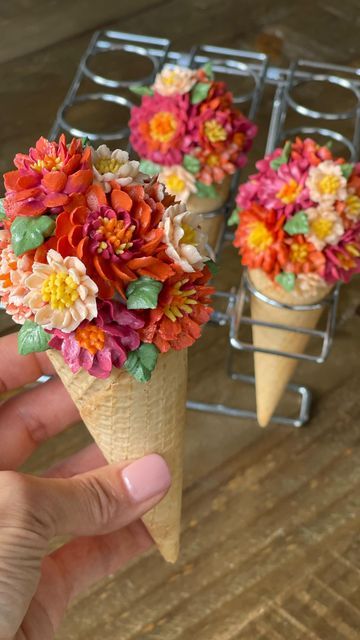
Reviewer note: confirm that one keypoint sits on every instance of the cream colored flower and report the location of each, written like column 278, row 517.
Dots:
column 352, row 206
column 113, row 165
column 13, row 273
column 186, row 243
column 174, row 80
column 326, row 183
column 325, row 226
column 178, row 181
column 310, row 283
column 61, row 295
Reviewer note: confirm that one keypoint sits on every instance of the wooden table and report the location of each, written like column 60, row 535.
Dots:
column 270, row 549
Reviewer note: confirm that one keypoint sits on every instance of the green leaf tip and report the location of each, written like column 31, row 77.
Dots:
column 283, row 158
column 199, row 92
column 141, row 363
column 143, row 293
column 32, row 338
column 286, row 280
column 30, row 232
column 299, row 223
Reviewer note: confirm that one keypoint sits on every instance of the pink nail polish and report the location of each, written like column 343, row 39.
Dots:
column 146, row 478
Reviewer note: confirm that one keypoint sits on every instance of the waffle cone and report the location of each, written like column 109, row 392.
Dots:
column 129, row 419
column 212, row 225
column 272, row 373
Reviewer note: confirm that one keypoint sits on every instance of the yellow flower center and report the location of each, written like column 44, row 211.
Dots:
column 51, row 163
column 213, row 160
column 91, row 338
column 114, row 233
column 175, row 184
column 322, row 227
column 289, row 192
column 214, row 131
column 170, row 78
column 353, row 205
column 60, row 291
column 182, row 301
column 329, row 184
column 189, row 236
column 259, row 238
column 108, row 165
column 163, row 126
column 298, row 252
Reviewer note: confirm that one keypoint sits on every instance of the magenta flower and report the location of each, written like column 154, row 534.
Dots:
column 158, row 128
column 343, row 259
column 103, row 343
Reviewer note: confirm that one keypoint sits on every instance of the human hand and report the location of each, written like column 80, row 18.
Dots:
column 98, row 506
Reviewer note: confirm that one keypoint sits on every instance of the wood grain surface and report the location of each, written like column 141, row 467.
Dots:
column 270, row 545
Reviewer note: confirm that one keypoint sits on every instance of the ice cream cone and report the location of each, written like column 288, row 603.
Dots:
column 128, row 420
column 213, row 225
column 272, row 373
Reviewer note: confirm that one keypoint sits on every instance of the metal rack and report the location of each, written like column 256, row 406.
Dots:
column 235, row 65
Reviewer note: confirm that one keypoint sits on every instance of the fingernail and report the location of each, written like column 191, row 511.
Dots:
column 146, row 478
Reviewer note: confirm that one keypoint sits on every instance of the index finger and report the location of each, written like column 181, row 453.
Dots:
column 17, row 370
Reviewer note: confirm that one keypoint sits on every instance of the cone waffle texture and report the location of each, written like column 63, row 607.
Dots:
column 272, row 373
column 212, row 225
column 129, row 419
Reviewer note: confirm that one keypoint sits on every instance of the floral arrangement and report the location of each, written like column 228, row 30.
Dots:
column 299, row 217
column 98, row 261
column 188, row 131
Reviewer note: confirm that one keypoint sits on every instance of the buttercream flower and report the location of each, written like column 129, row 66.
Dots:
column 117, row 235
column 309, row 283
column 216, row 166
column 183, row 307
column 13, row 274
column 184, row 239
column 102, row 343
column 343, row 259
column 326, row 183
column 174, row 81
column 308, row 153
column 325, row 226
column 178, row 181
column 303, row 257
column 113, row 165
column 260, row 240
column 158, row 127
column 45, row 178
column 352, row 206
column 61, row 294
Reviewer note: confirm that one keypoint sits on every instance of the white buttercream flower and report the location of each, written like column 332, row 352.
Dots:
column 310, row 283
column 179, row 182
column 352, row 206
column 113, row 165
column 326, row 183
column 325, row 226
column 61, row 295
column 174, row 80
column 186, row 242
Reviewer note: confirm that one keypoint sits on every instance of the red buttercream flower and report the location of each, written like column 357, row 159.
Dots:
column 183, row 307
column 46, row 176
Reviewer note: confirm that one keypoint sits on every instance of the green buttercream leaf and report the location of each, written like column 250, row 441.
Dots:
column 151, row 168
column 299, row 223
column 85, row 141
column 30, row 232
column 286, row 280
column 191, row 163
column 213, row 267
column 32, row 338
column 141, row 90
column 199, row 92
column 283, row 159
column 143, row 293
column 141, row 363
column 347, row 169
column 329, row 144
column 208, row 70
column 2, row 209
column 233, row 218
column 205, row 190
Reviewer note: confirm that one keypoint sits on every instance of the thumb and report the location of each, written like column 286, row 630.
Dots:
column 103, row 500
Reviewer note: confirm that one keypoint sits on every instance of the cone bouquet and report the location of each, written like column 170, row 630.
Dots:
column 188, row 131
column 106, row 272
column 298, row 233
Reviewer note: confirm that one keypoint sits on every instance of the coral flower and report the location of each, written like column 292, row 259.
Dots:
column 61, row 295
column 260, row 240
column 183, row 307
column 13, row 274
column 216, row 166
column 343, row 259
column 308, row 153
column 158, row 127
column 117, row 235
column 45, row 178
column 104, row 342
column 186, row 243
column 303, row 257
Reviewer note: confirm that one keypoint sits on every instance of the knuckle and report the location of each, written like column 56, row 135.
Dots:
column 13, row 490
column 101, row 499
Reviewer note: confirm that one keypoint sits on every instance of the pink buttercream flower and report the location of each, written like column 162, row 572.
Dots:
column 343, row 259
column 13, row 273
column 103, row 343
column 158, row 128
column 46, row 176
